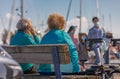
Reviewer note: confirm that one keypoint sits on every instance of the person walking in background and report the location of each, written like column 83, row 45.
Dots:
column 25, row 35
column 56, row 35
column 108, row 46
column 71, row 32
column 96, row 32
column 83, row 53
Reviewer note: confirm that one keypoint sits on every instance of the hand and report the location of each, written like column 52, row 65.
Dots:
column 33, row 32
column 30, row 30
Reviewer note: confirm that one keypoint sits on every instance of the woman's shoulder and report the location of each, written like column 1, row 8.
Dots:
column 22, row 35
column 55, row 32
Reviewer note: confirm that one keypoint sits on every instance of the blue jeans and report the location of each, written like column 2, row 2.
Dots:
column 106, row 56
column 97, row 50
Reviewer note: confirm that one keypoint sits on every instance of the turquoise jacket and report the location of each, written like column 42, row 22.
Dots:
column 60, row 37
column 21, row 38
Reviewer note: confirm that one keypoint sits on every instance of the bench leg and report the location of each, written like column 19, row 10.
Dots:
column 56, row 63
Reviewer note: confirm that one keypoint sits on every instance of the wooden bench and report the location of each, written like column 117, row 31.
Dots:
column 41, row 54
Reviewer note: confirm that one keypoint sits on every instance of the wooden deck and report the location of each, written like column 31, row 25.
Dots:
column 116, row 76
column 115, row 61
column 37, row 76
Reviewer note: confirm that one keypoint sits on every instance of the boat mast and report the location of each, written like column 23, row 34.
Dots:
column 10, row 21
column 103, row 20
column 110, row 22
column 97, row 9
column 21, row 9
column 68, row 12
column 80, row 16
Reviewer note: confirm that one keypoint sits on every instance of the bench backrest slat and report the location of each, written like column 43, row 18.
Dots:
column 38, row 53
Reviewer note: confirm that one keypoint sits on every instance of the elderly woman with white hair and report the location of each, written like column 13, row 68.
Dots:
column 25, row 35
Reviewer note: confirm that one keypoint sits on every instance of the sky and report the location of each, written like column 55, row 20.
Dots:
column 38, row 11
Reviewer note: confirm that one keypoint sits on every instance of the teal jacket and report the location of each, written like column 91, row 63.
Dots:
column 21, row 38
column 60, row 37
